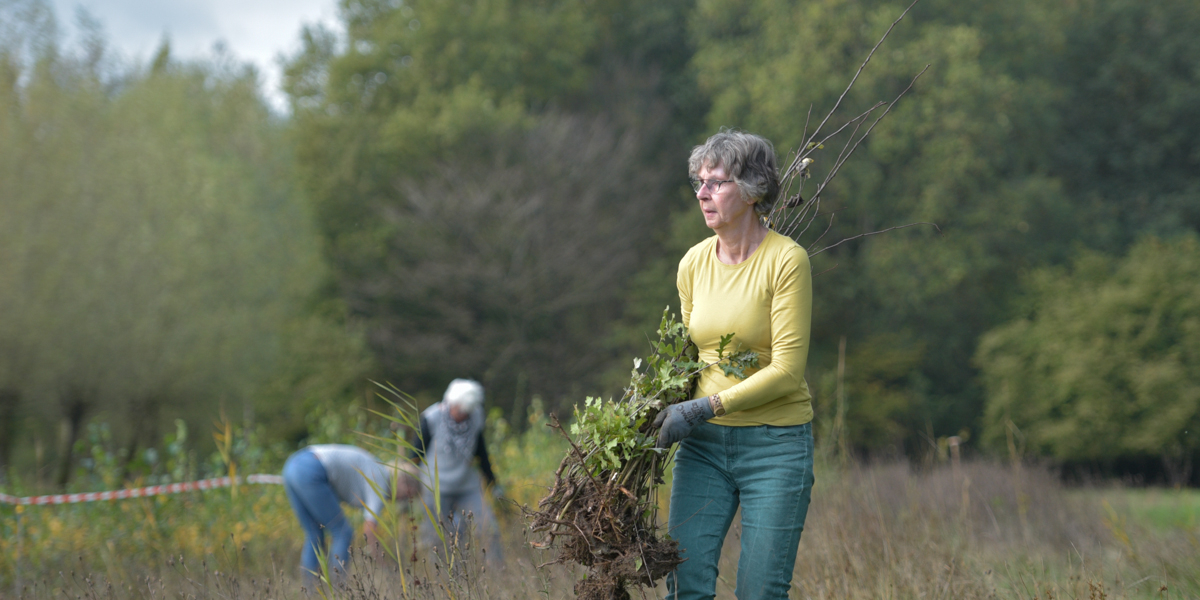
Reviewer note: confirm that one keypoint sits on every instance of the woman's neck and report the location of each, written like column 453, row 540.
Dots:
column 736, row 245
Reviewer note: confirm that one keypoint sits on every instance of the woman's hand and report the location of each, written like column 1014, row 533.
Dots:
column 678, row 420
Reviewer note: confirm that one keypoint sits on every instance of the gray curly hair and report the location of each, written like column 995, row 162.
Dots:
column 748, row 159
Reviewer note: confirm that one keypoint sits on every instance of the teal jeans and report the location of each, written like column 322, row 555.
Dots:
column 766, row 470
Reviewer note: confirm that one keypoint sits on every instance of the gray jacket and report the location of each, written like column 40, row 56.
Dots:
column 449, row 449
column 348, row 469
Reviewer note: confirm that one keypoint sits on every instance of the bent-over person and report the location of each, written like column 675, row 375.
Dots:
column 317, row 480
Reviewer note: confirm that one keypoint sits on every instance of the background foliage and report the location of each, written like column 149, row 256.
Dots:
column 1105, row 361
column 157, row 264
column 496, row 189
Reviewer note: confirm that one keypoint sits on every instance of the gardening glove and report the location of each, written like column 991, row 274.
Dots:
column 678, row 420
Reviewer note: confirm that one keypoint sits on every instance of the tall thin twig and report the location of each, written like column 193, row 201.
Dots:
column 854, row 79
column 786, row 220
column 852, row 144
column 855, row 237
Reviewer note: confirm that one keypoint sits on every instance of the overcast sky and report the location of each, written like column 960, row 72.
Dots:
column 253, row 30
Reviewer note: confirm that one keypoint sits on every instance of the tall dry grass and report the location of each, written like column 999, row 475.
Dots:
column 982, row 530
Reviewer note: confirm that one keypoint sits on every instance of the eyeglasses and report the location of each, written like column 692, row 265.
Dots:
column 713, row 185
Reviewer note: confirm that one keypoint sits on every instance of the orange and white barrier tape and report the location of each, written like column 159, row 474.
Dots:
column 142, row 492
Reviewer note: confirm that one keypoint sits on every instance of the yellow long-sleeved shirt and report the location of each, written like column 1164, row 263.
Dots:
column 766, row 301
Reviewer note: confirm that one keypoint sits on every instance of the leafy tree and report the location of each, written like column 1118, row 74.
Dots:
column 487, row 176
column 417, row 83
column 504, row 270
column 1104, row 360
column 155, row 255
column 872, row 408
column 1129, row 109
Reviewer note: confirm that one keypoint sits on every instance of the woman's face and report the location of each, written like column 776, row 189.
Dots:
column 722, row 206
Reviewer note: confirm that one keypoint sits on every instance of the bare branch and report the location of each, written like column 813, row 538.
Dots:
column 849, row 150
column 835, row 265
column 809, row 210
column 804, row 152
column 861, row 67
column 812, row 254
column 880, row 118
column 827, row 228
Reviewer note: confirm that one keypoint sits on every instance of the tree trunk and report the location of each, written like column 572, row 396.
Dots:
column 75, row 406
column 10, row 399
column 143, row 420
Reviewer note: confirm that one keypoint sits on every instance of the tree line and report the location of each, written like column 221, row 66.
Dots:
column 497, row 189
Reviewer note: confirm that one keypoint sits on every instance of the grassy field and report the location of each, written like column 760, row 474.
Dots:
column 1163, row 509
column 982, row 530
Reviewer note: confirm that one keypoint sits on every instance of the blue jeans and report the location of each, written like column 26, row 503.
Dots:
column 766, row 470
column 317, row 507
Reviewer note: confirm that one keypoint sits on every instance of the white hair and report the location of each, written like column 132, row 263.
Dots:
column 464, row 394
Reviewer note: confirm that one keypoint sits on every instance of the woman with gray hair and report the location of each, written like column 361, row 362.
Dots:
column 451, row 440
column 748, row 442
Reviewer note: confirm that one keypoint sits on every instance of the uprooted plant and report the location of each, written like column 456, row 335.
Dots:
column 602, row 511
